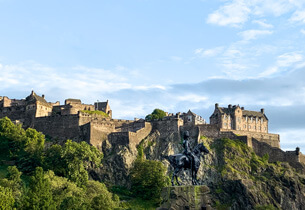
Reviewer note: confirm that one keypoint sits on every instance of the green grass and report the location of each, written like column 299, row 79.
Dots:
column 95, row 112
column 129, row 202
column 138, row 204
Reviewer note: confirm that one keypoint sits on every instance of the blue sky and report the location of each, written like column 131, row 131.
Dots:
column 170, row 54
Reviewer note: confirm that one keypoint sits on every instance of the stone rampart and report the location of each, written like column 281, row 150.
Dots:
column 276, row 154
column 269, row 138
column 59, row 127
column 119, row 138
column 167, row 126
column 99, row 131
column 136, row 137
column 211, row 131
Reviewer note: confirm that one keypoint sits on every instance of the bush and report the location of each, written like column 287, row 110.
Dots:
column 148, row 179
column 156, row 114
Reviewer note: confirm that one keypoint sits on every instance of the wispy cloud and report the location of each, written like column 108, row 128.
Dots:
column 262, row 23
column 233, row 14
column 283, row 61
column 208, row 52
column 302, row 31
column 254, row 34
column 298, row 16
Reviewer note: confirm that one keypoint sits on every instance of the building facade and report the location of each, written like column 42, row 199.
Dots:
column 237, row 118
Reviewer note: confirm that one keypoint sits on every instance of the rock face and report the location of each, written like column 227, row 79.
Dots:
column 185, row 197
column 236, row 177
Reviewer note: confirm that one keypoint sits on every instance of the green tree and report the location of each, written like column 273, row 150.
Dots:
column 6, row 198
column 148, row 179
column 39, row 195
column 11, row 138
column 99, row 196
column 73, row 160
column 54, row 161
column 31, row 155
column 156, row 114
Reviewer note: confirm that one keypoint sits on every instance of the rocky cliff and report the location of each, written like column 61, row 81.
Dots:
column 236, row 176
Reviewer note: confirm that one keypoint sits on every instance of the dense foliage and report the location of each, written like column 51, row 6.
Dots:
column 148, row 179
column 48, row 178
column 156, row 114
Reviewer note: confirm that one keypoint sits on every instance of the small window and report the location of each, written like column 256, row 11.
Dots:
column 246, row 119
column 256, row 119
column 224, row 117
column 251, row 119
column 249, row 126
column 262, row 120
column 245, row 126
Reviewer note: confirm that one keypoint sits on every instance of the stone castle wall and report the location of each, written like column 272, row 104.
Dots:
column 276, row 154
column 59, row 127
column 211, row 131
column 136, row 137
column 171, row 125
column 269, row 138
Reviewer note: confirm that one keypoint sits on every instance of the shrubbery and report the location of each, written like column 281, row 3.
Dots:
column 67, row 187
column 156, row 114
column 148, row 179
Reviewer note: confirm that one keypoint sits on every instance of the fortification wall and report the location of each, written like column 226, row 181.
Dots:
column 276, row 154
column 99, row 132
column 211, row 131
column 118, row 138
column 59, row 127
column 136, row 137
column 85, row 118
column 165, row 127
column 132, row 126
column 269, row 138
column 14, row 113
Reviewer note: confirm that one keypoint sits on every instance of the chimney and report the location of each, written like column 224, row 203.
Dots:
column 230, row 106
column 216, row 105
column 242, row 108
column 262, row 111
column 42, row 96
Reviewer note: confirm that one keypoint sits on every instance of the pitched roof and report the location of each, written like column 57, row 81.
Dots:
column 73, row 100
column 253, row 114
column 34, row 97
column 225, row 110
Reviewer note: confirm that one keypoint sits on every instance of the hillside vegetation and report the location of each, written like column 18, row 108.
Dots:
column 36, row 176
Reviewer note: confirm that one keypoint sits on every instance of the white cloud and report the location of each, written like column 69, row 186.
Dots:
column 253, row 34
column 292, row 60
column 208, row 52
column 302, row 31
column 289, row 59
column 191, row 98
column 263, row 23
column 237, row 12
column 233, row 14
column 298, row 16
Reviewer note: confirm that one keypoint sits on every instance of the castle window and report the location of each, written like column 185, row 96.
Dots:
column 254, row 127
column 256, row 119
column 229, row 117
column 259, row 127
column 245, row 126
column 246, row 119
column 224, row 117
column 249, row 126
column 225, row 124
column 262, row 120
column 251, row 119
column 238, row 119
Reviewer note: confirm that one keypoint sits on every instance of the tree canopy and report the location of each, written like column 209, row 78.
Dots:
column 156, row 114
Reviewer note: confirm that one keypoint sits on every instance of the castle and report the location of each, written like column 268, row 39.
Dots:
column 94, row 124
